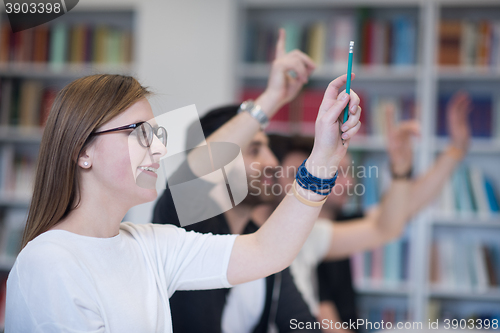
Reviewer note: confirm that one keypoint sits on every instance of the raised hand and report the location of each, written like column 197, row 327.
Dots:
column 457, row 112
column 328, row 148
column 399, row 142
column 282, row 87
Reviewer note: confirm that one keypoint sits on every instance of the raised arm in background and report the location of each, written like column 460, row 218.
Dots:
column 281, row 89
column 404, row 198
column 427, row 187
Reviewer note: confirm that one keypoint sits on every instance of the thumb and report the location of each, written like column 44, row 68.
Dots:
column 410, row 127
column 280, row 44
column 389, row 120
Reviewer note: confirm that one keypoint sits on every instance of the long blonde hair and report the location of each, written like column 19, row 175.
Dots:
column 79, row 109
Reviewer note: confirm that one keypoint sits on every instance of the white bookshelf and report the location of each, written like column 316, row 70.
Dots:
column 425, row 80
column 28, row 138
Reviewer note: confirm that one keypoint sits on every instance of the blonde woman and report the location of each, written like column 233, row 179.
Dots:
column 82, row 270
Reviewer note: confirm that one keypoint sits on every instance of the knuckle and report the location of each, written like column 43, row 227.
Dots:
column 331, row 84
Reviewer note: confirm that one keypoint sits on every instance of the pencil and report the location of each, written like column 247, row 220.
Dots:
column 348, row 83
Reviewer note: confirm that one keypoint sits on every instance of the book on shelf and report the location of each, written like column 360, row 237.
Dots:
column 469, row 43
column 7, row 172
column 24, row 103
column 62, row 43
column 316, row 42
column 469, row 194
column 341, row 31
column 464, row 265
column 18, row 172
column 379, row 42
column 30, row 100
column 449, row 43
column 5, row 101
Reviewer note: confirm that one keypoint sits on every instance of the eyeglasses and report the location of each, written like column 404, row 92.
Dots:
column 144, row 132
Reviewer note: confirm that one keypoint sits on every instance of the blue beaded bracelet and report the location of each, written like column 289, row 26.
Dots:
column 312, row 183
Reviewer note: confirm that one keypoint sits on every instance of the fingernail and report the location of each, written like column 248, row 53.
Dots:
column 345, row 136
column 342, row 96
column 344, row 128
column 353, row 108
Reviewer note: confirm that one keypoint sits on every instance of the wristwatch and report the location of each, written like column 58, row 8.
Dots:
column 255, row 111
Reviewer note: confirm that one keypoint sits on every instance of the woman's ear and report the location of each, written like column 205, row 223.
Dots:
column 85, row 159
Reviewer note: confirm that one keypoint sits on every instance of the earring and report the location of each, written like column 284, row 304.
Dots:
column 86, row 163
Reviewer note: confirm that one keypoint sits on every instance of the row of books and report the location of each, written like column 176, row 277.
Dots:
column 62, row 43
column 469, row 43
column 25, row 102
column 17, row 172
column 299, row 115
column 469, row 193
column 464, row 265
column 386, row 266
column 378, row 42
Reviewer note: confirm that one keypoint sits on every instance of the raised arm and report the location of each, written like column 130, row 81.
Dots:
column 427, row 187
column 274, row 246
column 387, row 220
column 281, row 89
column 404, row 198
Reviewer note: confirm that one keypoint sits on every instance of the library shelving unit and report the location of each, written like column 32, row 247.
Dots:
column 34, row 65
column 475, row 69
column 397, row 64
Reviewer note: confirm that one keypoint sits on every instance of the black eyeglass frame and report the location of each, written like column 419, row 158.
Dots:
column 135, row 126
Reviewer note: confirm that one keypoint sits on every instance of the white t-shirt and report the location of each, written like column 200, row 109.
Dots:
column 244, row 306
column 64, row 282
column 303, row 268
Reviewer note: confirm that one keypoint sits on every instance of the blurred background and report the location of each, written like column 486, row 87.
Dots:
column 409, row 55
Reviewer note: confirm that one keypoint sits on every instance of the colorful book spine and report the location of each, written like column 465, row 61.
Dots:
column 58, row 45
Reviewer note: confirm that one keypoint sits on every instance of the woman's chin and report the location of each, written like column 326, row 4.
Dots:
column 147, row 195
column 146, row 180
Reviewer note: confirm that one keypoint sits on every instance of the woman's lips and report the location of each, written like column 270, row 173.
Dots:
column 150, row 170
